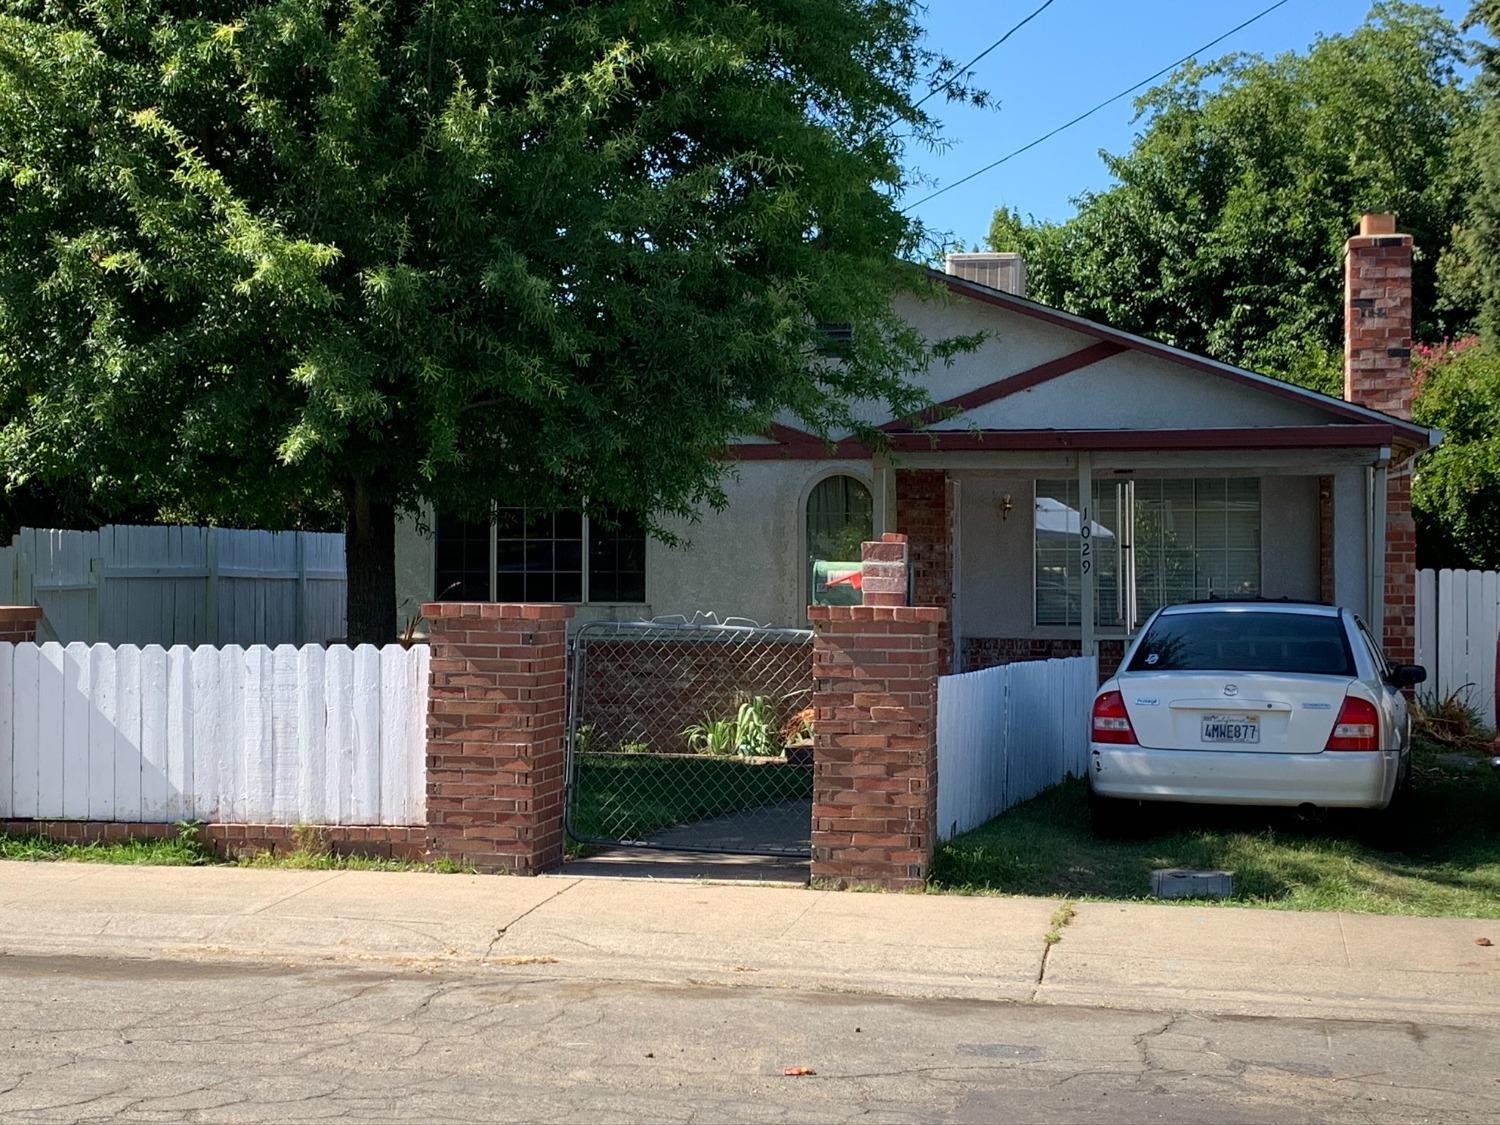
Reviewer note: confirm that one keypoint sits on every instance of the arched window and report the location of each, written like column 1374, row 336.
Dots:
column 840, row 516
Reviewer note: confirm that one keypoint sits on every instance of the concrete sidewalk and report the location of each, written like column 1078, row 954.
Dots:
column 1166, row 958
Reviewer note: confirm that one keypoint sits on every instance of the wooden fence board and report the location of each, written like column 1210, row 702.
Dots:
column 283, row 735
column 1006, row 733
column 1458, row 618
column 163, row 585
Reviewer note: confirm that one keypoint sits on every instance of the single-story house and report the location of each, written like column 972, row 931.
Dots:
column 1193, row 478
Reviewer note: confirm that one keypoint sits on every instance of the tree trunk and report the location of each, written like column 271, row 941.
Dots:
column 370, row 564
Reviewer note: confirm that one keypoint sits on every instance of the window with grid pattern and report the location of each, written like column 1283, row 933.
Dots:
column 462, row 560
column 541, row 558
column 1193, row 539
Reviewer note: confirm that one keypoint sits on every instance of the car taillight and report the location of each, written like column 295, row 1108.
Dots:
column 1357, row 727
column 1111, row 723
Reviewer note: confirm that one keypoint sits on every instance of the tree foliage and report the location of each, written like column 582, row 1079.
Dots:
column 1456, row 488
column 1225, row 231
column 378, row 253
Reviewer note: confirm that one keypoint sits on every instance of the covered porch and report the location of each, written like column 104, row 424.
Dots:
column 1016, row 539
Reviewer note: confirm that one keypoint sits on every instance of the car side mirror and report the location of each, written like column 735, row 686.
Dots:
column 1408, row 675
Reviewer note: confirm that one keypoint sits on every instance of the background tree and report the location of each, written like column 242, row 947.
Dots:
column 1225, row 231
column 371, row 254
column 1456, row 488
column 1470, row 271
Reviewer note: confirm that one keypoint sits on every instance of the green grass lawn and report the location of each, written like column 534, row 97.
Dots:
column 632, row 796
column 1442, row 856
column 186, row 850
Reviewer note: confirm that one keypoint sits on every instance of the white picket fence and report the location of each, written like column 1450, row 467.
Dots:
column 284, row 735
column 1004, row 734
column 178, row 585
column 1458, row 618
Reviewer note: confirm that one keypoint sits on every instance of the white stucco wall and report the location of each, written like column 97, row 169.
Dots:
column 1132, row 391
column 746, row 561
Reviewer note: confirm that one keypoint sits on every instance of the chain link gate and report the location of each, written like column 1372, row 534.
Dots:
column 691, row 736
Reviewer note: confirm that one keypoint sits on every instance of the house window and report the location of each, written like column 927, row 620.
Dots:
column 840, row 516
column 1156, row 542
column 1057, row 523
column 462, row 560
column 555, row 557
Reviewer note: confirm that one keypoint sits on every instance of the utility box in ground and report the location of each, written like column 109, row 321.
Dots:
column 1182, row 882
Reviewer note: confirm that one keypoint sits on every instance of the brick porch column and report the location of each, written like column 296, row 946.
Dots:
column 18, row 623
column 875, row 672
column 1377, row 374
column 496, row 713
column 924, row 511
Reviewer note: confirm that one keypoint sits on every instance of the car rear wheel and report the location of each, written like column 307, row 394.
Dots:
column 1110, row 816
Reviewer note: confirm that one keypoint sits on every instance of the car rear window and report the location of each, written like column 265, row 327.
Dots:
column 1245, row 641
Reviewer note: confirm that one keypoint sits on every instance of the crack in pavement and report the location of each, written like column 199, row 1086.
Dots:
column 504, row 929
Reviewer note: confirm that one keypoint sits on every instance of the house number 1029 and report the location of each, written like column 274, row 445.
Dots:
column 1085, row 536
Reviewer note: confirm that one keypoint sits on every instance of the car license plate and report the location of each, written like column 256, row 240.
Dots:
column 1231, row 728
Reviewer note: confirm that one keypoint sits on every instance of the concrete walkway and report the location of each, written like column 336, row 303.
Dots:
column 1164, row 958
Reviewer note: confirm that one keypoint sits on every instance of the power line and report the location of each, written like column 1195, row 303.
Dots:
column 936, row 90
column 1095, row 109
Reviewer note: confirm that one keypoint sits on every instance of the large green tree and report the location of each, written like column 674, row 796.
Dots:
column 381, row 253
column 1224, row 233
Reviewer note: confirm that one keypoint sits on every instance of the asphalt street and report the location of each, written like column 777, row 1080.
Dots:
column 255, row 1039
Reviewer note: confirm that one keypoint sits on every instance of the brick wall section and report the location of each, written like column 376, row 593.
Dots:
column 496, row 703
column 924, row 513
column 988, row 652
column 875, row 672
column 647, row 691
column 1400, row 639
column 18, row 623
column 1377, row 373
column 235, row 841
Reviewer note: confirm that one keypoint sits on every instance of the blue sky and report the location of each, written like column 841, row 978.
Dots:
column 1077, row 53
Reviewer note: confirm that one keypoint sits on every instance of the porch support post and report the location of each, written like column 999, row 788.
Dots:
column 1376, row 551
column 1086, row 553
column 885, row 495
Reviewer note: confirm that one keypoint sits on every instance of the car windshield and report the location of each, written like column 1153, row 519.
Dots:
column 1245, row 641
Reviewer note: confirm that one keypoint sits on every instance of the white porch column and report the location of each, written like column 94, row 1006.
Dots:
column 1376, row 551
column 1351, row 537
column 884, row 497
column 1086, row 606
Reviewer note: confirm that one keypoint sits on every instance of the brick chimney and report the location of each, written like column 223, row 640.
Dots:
column 1377, row 374
column 1004, row 271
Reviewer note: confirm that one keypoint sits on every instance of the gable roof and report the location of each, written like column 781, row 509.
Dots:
column 1112, row 341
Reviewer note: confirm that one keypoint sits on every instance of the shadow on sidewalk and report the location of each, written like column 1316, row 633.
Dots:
column 657, row 863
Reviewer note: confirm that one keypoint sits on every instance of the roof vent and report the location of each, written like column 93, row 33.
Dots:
column 1003, row 271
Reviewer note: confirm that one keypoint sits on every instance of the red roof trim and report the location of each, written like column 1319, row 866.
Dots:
column 1014, row 384
column 789, row 435
column 1023, row 307
column 1367, row 436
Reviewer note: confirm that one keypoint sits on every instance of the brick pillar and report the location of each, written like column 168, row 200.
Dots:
column 924, row 512
column 496, row 712
column 1325, row 539
column 1400, row 640
column 18, row 623
column 1377, row 374
column 875, row 672
column 883, row 571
